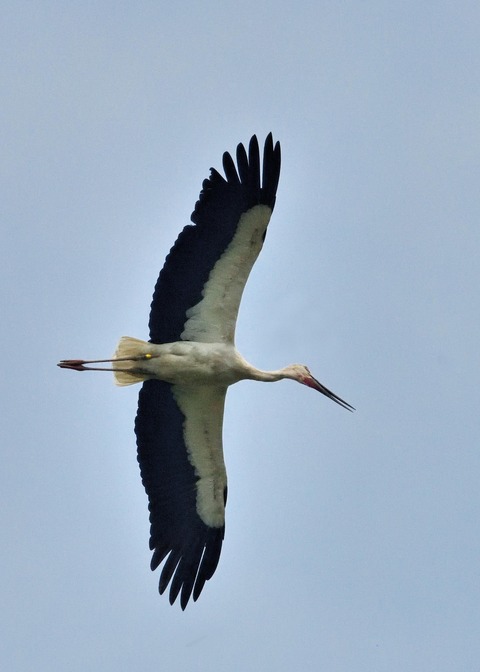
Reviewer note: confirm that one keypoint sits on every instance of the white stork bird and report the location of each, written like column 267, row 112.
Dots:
column 189, row 363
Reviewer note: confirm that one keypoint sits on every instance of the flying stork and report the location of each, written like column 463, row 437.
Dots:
column 189, row 362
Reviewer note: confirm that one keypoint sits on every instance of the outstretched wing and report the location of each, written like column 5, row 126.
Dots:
column 179, row 439
column 179, row 430
column 198, row 292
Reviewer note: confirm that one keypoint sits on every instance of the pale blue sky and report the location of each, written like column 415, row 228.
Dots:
column 352, row 540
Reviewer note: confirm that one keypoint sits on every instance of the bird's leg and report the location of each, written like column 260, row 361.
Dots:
column 79, row 364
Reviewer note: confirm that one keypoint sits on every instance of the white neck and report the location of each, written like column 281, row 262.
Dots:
column 268, row 376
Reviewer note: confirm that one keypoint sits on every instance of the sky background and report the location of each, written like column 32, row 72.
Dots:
column 352, row 540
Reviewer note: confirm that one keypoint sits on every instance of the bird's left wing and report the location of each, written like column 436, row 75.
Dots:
column 198, row 292
column 179, row 440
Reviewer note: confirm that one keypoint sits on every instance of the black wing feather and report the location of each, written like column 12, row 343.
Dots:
column 217, row 213
column 230, row 170
column 176, row 531
column 243, row 166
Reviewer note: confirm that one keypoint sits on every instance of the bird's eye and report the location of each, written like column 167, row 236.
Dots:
column 147, row 356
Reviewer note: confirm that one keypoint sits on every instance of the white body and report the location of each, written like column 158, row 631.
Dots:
column 182, row 363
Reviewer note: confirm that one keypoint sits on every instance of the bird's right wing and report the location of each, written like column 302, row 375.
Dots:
column 198, row 292
column 179, row 440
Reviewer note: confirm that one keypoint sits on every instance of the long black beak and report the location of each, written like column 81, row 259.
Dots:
column 317, row 385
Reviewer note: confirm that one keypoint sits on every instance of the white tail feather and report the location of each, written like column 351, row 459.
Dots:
column 134, row 348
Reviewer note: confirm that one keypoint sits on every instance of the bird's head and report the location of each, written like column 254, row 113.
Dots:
column 302, row 374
